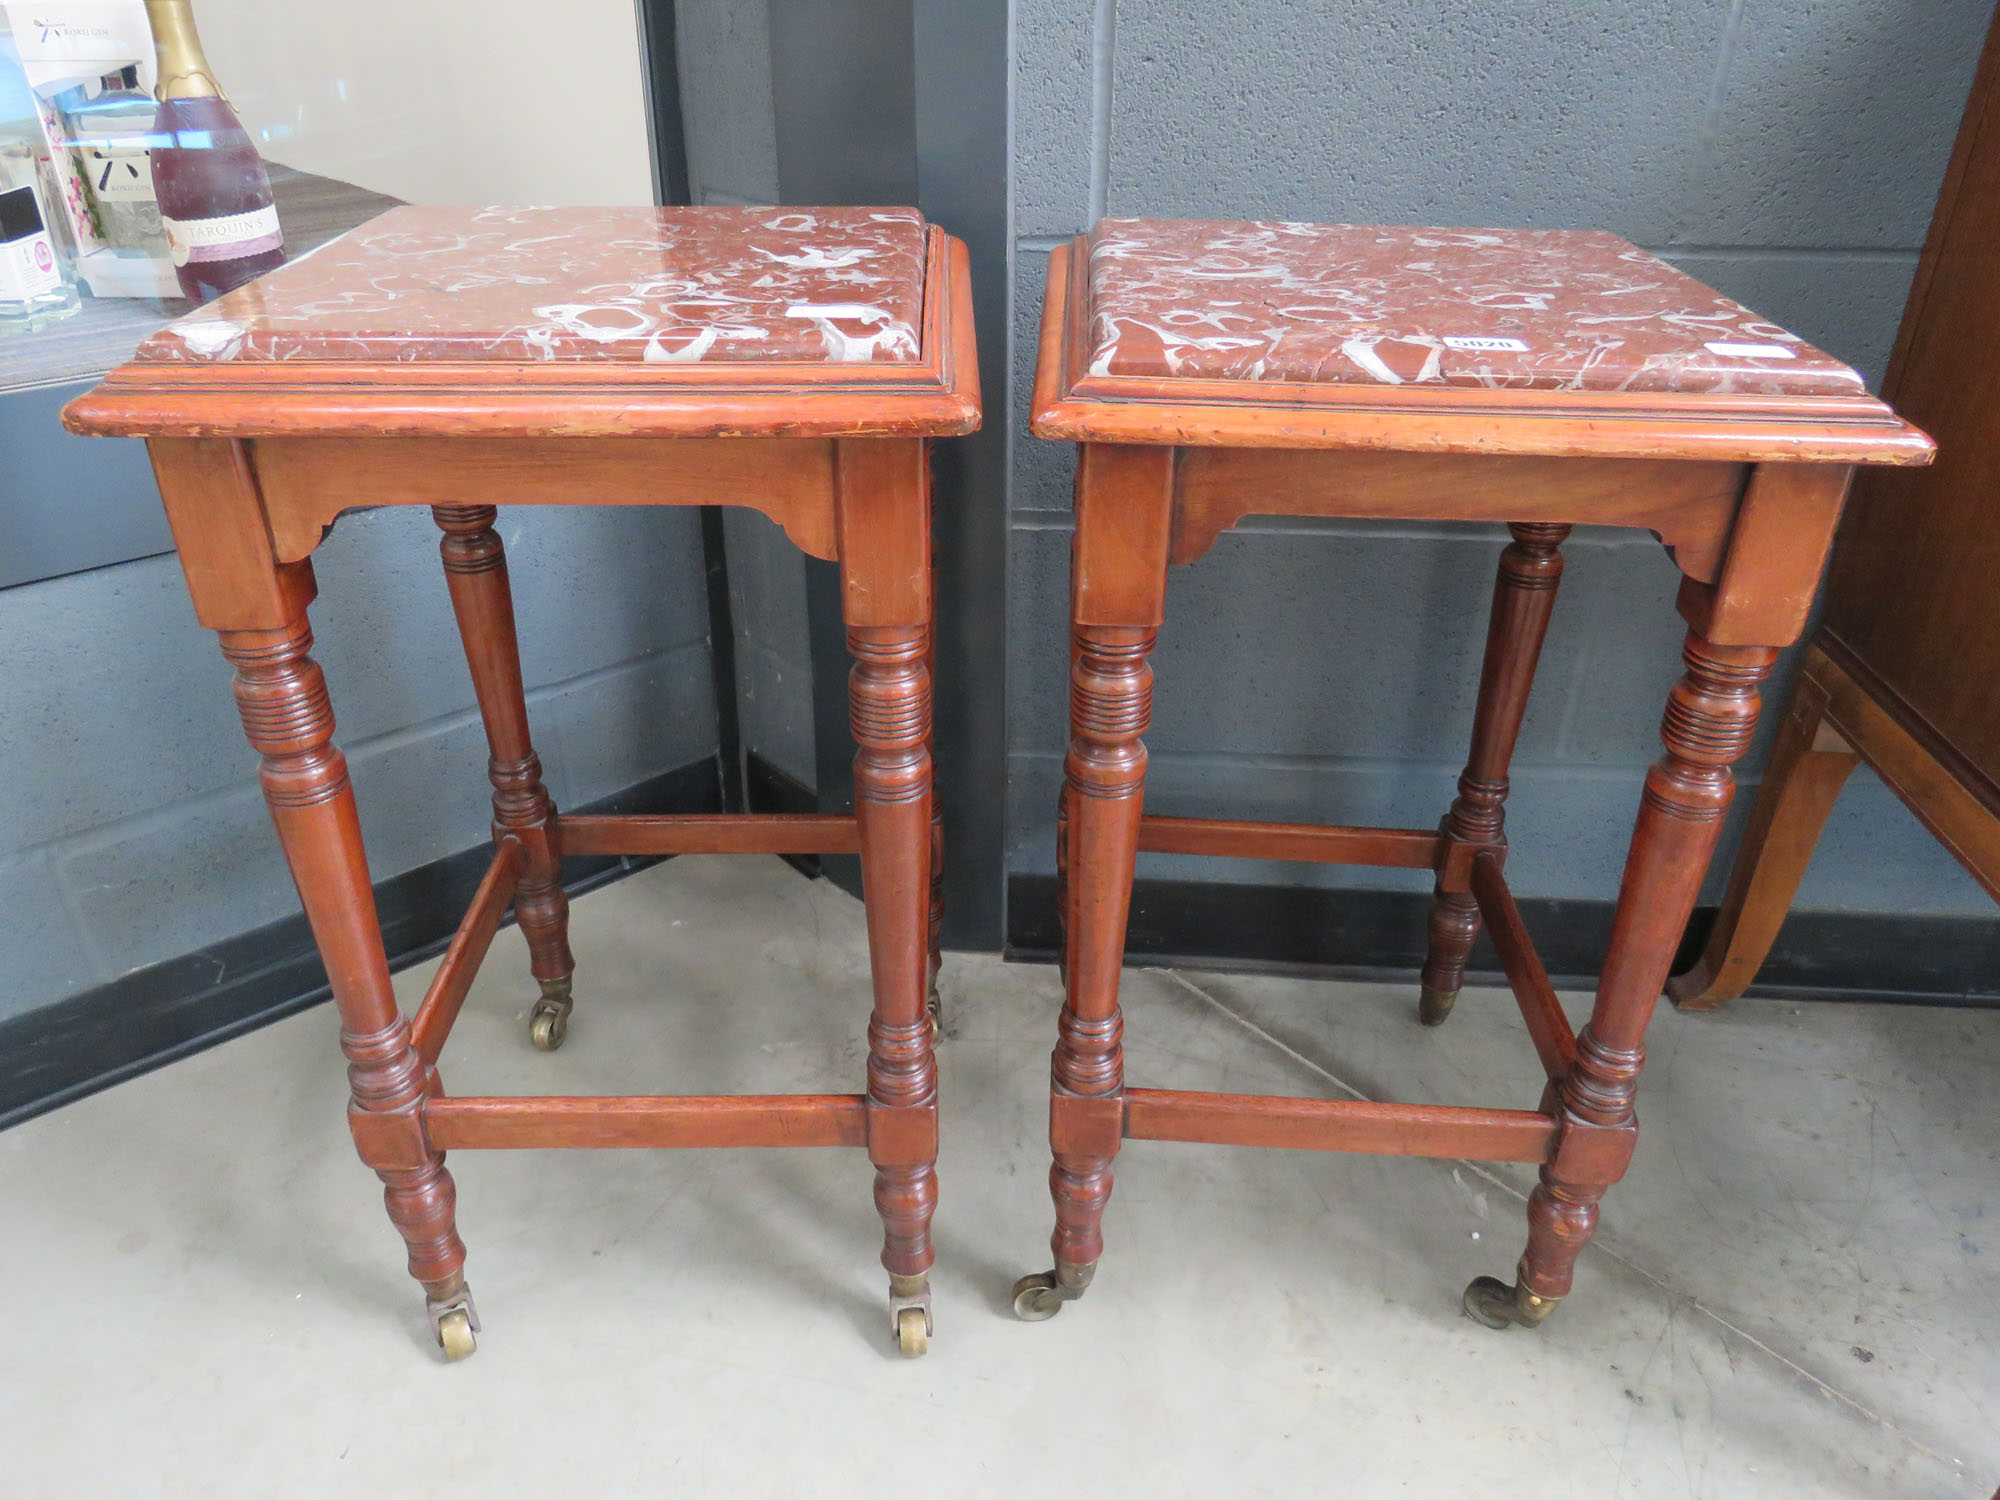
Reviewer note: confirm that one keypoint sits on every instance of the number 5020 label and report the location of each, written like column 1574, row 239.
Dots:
column 1484, row 345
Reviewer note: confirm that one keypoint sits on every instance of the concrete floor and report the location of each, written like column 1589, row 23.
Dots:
column 1794, row 1292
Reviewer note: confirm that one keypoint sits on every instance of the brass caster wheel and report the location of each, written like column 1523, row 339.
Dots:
column 548, row 1023
column 1037, row 1298
column 910, row 1313
column 454, row 1334
column 1433, row 1006
column 934, row 1008
column 913, row 1332
column 547, row 1028
column 454, row 1320
column 1492, row 1303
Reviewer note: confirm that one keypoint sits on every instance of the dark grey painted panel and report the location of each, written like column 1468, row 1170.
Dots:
column 962, row 179
column 592, row 587
column 843, row 86
column 1357, row 642
column 725, row 58
column 129, row 1024
column 1570, row 829
column 149, row 845
column 1834, row 121
column 84, row 658
column 167, row 880
column 1052, row 116
column 69, row 753
column 1707, row 124
column 47, row 954
column 767, row 587
column 1043, row 473
column 665, row 132
column 70, row 503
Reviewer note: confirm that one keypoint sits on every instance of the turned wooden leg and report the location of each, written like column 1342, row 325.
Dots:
column 1710, row 716
column 1523, row 598
column 1117, row 603
column 1810, row 763
column 890, row 698
column 1111, row 696
column 475, row 568
column 883, row 519
column 282, row 697
column 1111, row 690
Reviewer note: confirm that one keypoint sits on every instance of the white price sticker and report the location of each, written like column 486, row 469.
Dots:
column 1751, row 351
column 1484, row 345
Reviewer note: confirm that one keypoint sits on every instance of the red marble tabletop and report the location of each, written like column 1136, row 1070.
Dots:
column 1366, row 305
column 826, row 285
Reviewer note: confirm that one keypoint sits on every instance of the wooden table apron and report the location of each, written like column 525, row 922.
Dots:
column 1746, row 506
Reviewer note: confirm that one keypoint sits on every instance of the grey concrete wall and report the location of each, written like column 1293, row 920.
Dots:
column 724, row 51
column 767, row 596
column 135, row 830
column 1786, row 153
column 724, row 48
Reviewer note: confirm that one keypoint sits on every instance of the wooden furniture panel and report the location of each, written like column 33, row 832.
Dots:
column 1904, row 672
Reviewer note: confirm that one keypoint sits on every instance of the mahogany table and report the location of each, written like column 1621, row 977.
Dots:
column 796, row 362
column 1540, row 379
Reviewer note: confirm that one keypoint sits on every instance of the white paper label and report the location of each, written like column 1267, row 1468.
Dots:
column 61, row 42
column 119, row 176
column 1484, row 345
column 28, row 267
column 224, row 237
column 1751, row 351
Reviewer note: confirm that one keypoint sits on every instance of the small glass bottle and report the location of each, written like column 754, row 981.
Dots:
column 35, row 286
column 110, row 139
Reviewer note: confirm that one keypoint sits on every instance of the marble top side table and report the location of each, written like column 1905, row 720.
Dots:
column 794, row 361
column 1542, row 380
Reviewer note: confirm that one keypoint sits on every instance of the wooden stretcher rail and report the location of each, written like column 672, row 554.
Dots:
column 1399, row 848
column 1548, row 1027
column 705, row 833
column 1339, row 1125
column 468, row 947
column 659, row 1123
